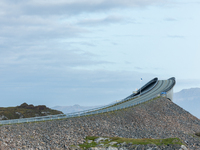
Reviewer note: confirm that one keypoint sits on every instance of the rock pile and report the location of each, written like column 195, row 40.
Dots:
column 159, row 118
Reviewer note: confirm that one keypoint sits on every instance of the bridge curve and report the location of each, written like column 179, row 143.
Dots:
column 150, row 90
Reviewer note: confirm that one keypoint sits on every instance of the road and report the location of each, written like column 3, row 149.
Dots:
column 150, row 90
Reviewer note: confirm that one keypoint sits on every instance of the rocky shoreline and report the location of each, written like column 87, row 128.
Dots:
column 159, row 118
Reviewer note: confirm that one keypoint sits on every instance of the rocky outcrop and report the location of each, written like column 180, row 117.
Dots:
column 26, row 106
column 159, row 118
column 26, row 111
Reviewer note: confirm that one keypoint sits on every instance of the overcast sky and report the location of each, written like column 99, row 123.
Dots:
column 88, row 52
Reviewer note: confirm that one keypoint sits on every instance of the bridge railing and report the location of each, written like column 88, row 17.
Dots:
column 72, row 115
column 103, row 109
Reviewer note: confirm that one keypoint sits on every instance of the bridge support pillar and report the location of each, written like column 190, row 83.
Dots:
column 170, row 94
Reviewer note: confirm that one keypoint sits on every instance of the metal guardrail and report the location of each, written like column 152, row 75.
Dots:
column 98, row 110
column 70, row 115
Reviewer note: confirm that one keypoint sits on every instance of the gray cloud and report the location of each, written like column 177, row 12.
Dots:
column 103, row 21
column 61, row 7
column 47, row 29
column 36, row 20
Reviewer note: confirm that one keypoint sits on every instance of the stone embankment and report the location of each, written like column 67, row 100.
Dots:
column 159, row 118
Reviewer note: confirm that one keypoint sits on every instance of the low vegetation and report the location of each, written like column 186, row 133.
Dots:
column 26, row 111
column 90, row 141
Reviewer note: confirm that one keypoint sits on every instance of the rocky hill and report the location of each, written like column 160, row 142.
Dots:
column 26, row 111
column 156, row 119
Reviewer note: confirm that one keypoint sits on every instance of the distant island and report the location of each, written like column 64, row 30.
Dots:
column 26, row 111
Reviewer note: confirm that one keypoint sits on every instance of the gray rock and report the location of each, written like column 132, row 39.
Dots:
column 112, row 143
column 123, row 148
column 100, row 139
column 101, row 145
column 183, row 147
column 124, row 143
column 96, row 148
column 111, row 148
column 90, row 141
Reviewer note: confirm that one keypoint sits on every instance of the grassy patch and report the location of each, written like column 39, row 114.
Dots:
column 86, row 145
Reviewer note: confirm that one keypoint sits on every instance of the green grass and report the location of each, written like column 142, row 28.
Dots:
column 86, row 145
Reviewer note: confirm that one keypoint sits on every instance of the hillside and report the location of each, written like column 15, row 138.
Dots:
column 157, row 119
column 189, row 99
column 26, row 111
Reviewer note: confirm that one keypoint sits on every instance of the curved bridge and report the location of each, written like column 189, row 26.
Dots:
column 150, row 90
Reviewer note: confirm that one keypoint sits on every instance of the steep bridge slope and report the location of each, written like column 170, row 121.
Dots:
column 150, row 90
